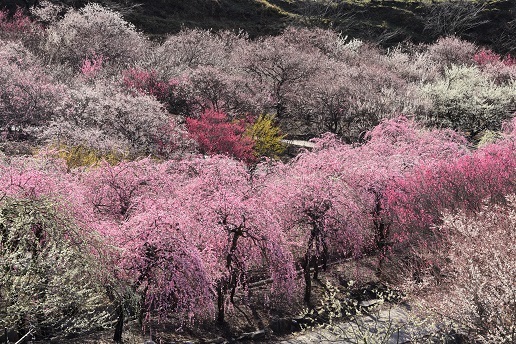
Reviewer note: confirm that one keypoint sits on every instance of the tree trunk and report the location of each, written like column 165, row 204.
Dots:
column 119, row 327
column 308, row 279
column 220, row 303
column 381, row 232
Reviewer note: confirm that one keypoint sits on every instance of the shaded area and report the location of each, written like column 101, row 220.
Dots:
column 386, row 22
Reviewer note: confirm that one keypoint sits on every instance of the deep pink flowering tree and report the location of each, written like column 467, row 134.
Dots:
column 172, row 93
column 395, row 148
column 146, row 82
column 501, row 69
column 418, row 199
column 92, row 66
column 486, row 56
column 17, row 23
column 217, row 134
column 19, row 27
column 332, row 197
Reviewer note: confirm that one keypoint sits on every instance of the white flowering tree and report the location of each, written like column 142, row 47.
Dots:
column 50, row 272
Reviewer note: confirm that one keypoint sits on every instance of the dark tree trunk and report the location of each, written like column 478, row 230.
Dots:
column 381, row 232
column 308, row 279
column 119, row 327
column 220, row 303
column 230, row 282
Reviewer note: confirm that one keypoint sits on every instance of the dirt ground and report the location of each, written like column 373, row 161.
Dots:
column 254, row 316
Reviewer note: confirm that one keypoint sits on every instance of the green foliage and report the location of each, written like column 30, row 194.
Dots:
column 267, row 137
column 48, row 275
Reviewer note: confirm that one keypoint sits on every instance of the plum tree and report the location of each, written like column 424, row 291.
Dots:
column 50, row 277
column 104, row 118
column 216, row 134
column 29, row 98
column 331, row 200
column 225, row 215
column 467, row 99
column 55, row 268
column 481, row 264
column 93, row 30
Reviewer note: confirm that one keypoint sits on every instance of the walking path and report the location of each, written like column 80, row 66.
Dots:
column 394, row 325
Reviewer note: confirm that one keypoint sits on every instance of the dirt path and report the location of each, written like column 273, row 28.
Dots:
column 391, row 325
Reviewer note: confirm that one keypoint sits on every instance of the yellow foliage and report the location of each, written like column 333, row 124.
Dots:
column 488, row 137
column 81, row 156
column 267, row 137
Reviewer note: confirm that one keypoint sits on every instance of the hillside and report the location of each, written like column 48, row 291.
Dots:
column 387, row 22
column 146, row 190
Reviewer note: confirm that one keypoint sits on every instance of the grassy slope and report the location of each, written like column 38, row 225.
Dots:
column 384, row 21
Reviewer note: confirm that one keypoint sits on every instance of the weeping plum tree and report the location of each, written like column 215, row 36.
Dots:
column 331, row 199
column 395, row 148
column 132, row 204
column 55, row 269
column 50, row 276
column 111, row 196
column 188, row 232
column 317, row 209
column 115, row 191
column 222, row 210
column 163, row 264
